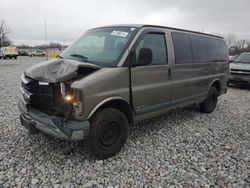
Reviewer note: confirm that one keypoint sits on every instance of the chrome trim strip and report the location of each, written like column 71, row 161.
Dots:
column 43, row 83
column 26, row 93
column 62, row 87
column 25, row 80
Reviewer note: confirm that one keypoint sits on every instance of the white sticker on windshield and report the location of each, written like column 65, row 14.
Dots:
column 119, row 33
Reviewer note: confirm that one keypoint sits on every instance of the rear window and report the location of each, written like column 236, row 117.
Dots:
column 216, row 50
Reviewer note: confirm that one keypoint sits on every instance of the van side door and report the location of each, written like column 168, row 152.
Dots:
column 191, row 70
column 151, row 85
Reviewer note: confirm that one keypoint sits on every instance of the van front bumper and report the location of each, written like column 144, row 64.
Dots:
column 51, row 125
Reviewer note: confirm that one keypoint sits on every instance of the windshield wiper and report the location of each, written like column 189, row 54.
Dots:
column 60, row 57
column 82, row 57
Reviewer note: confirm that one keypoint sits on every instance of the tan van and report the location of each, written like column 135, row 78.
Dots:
column 115, row 76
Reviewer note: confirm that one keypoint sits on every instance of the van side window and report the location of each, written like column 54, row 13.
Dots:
column 183, row 48
column 217, row 50
column 156, row 42
column 199, row 48
column 191, row 48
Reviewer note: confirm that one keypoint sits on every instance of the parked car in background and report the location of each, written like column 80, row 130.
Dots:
column 23, row 53
column 115, row 76
column 239, row 71
column 8, row 52
column 40, row 53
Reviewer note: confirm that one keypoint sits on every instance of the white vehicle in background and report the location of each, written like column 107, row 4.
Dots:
column 8, row 52
column 39, row 53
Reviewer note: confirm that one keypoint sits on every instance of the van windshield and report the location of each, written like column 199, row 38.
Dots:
column 101, row 46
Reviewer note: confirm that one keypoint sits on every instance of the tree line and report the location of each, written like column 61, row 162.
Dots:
column 235, row 46
column 54, row 45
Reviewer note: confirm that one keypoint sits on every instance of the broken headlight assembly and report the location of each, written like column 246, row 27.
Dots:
column 73, row 98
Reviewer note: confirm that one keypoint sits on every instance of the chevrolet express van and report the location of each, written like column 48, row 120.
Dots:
column 117, row 75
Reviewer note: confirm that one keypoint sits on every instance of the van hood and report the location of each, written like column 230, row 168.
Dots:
column 240, row 66
column 60, row 70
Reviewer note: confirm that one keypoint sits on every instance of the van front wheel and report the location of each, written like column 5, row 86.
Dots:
column 210, row 103
column 108, row 133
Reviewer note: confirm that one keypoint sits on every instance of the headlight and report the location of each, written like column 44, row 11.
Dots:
column 68, row 98
column 68, row 94
column 73, row 98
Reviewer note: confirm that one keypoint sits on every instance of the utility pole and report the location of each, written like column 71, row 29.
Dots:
column 1, row 36
column 46, row 39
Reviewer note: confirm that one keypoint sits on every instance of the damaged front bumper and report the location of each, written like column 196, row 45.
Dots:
column 51, row 125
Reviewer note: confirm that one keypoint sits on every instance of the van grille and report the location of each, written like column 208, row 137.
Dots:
column 45, row 97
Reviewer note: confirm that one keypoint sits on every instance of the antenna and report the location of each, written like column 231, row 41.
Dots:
column 46, row 39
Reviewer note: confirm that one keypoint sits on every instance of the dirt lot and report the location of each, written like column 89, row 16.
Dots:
column 183, row 148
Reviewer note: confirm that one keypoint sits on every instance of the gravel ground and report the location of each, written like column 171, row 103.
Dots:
column 181, row 149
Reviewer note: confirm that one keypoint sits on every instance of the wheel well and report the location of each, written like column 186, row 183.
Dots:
column 217, row 85
column 122, row 106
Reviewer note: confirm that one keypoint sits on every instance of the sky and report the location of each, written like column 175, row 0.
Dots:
column 67, row 20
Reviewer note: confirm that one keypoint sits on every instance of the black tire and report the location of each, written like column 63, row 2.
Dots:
column 108, row 133
column 15, row 57
column 210, row 103
column 4, row 57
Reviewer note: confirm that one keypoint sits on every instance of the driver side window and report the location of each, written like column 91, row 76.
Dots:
column 156, row 43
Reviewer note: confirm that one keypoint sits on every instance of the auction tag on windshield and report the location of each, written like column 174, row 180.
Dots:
column 119, row 33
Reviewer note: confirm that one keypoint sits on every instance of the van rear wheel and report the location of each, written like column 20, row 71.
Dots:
column 210, row 103
column 108, row 133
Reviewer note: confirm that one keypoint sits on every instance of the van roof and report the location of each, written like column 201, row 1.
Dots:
column 158, row 26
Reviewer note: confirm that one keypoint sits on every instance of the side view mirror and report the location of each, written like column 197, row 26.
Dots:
column 145, row 57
